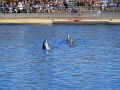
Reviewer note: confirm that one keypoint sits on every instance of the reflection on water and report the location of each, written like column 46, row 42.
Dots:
column 92, row 64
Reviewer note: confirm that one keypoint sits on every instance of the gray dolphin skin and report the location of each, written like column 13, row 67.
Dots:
column 45, row 45
column 70, row 40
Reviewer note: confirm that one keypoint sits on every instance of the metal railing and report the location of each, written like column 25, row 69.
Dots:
column 61, row 12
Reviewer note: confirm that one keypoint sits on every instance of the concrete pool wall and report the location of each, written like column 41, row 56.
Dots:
column 58, row 21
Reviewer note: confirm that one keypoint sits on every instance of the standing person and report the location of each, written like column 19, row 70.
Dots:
column 20, row 6
column 6, row 7
column 56, row 4
column 78, row 2
column 10, row 7
column 1, row 7
column 27, row 4
column 31, row 6
column 51, row 4
column 65, row 2
column 92, row 4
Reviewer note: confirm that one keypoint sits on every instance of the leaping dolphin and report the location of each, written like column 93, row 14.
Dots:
column 70, row 40
column 45, row 45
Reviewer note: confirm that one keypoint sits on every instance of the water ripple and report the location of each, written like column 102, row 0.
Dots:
column 92, row 64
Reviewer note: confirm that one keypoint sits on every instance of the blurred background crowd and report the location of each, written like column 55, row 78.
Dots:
column 37, row 6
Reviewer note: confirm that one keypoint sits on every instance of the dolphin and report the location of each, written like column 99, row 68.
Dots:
column 70, row 40
column 45, row 45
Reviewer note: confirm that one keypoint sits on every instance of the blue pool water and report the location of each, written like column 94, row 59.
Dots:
column 93, row 63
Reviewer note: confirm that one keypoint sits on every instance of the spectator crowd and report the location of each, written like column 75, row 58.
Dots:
column 29, row 6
